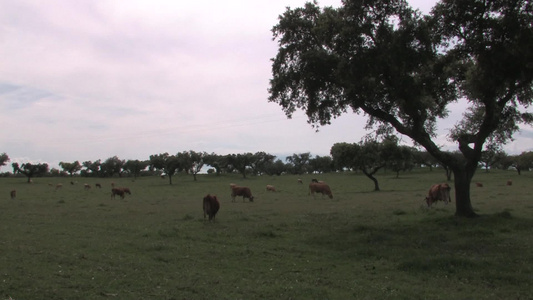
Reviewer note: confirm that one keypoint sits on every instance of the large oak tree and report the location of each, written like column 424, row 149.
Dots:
column 400, row 68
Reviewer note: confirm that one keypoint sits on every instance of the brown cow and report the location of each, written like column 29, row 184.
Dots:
column 126, row 190
column 211, row 206
column 98, row 185
column 243, row 191
column 270, row 188
column 300, row 181
column 117, row 191
column 321, row 188
column 509, row 182
column 87, row 186
column 479, row 184
column 438, row 192
column 13, row 194
column 58, row 186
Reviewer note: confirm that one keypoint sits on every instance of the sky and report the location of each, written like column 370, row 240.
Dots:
column 92, row 79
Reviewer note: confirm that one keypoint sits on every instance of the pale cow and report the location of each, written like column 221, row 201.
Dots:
column 438, row 192
column 320, row 188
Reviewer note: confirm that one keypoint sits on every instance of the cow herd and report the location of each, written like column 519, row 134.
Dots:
column 211, row 204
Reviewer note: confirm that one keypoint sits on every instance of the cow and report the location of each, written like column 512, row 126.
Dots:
column 211, row 206
column 126, row 190
column 87, row 186
column 58, row 186
column 270, row 188
column 479, row 184
column 321, row 188
column 98, row 185
column 438, row 192
column 509, row 182
column 300, row 181
column 243, row 191
column 117, row 191
column 13, row 194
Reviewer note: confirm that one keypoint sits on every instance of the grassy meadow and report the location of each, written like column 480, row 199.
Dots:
column 73, row 243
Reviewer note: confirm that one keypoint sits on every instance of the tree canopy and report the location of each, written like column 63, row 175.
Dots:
column 402, row 69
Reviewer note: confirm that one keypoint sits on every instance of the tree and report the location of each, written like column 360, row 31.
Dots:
column 30, row 170
column 321, row 164
column 216, row 161
column 112, row 166
column 135, row 167
column 192, row 162
column 92, row 168
column 70, row 168
column 492, row 155
column 275, row 168
column 367, row 156
column 424, row 158
column 403, row 69
column 299, row 163
column 4, row 158
column 524, row 162
column 261, row 160
column 169, row 164
column 240, row 162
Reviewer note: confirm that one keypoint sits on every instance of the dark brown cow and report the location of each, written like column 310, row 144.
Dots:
column 479, row 184
column 126, row 190
column 98, row 185
column 243, row 191
column 211, row 206
column 321, row 188
column 117, row 191
column 509, row 182
column 438, row 192
column 13, row 194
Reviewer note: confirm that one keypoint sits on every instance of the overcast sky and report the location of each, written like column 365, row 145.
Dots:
column 91, row 79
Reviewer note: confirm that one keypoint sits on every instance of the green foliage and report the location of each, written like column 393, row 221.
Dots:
column 402, row 69
column 155, row 244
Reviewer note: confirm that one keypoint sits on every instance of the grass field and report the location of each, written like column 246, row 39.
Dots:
column 80, row 244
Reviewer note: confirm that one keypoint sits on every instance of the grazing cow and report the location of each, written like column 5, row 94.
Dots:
column 98, row 185
column 13, row 194
column 243, row 191
column 509, row 182
column 87, row 186
column 438, row 192
column 126, row 190
column 479, row 184
column 117, row 191
column 270, row 188
column 321, row 188
column 58, row 186
column 211, row 206
column 300, row 181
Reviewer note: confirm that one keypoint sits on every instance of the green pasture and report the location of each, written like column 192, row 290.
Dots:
column 73, row 243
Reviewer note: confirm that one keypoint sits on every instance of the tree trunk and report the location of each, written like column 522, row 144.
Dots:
column 370, row 175
column 463, row 206
column 170, row 179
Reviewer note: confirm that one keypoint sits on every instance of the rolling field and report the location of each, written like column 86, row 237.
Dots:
column 81, row 244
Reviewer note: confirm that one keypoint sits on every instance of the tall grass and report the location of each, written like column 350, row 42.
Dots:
column 80, row 244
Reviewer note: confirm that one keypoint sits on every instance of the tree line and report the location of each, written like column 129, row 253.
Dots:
column 368, row 156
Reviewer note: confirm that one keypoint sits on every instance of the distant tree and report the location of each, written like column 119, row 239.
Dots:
column 216, row 161
column 92, row 168
column 192, row 162
column 70, row 168
column 4, row 158
column 240, row 162
column 169, row 164
column 492, row 154
column 275, row 168
column 400, row 158
column 424, row 158
column 112, row 166
column 505, row 162
column 399, row 67
column 369, row 156
column 299, row 163
column 30, row 170
column 524, row 162
column 321, row 164
column 260, row 162
column 135, row 167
